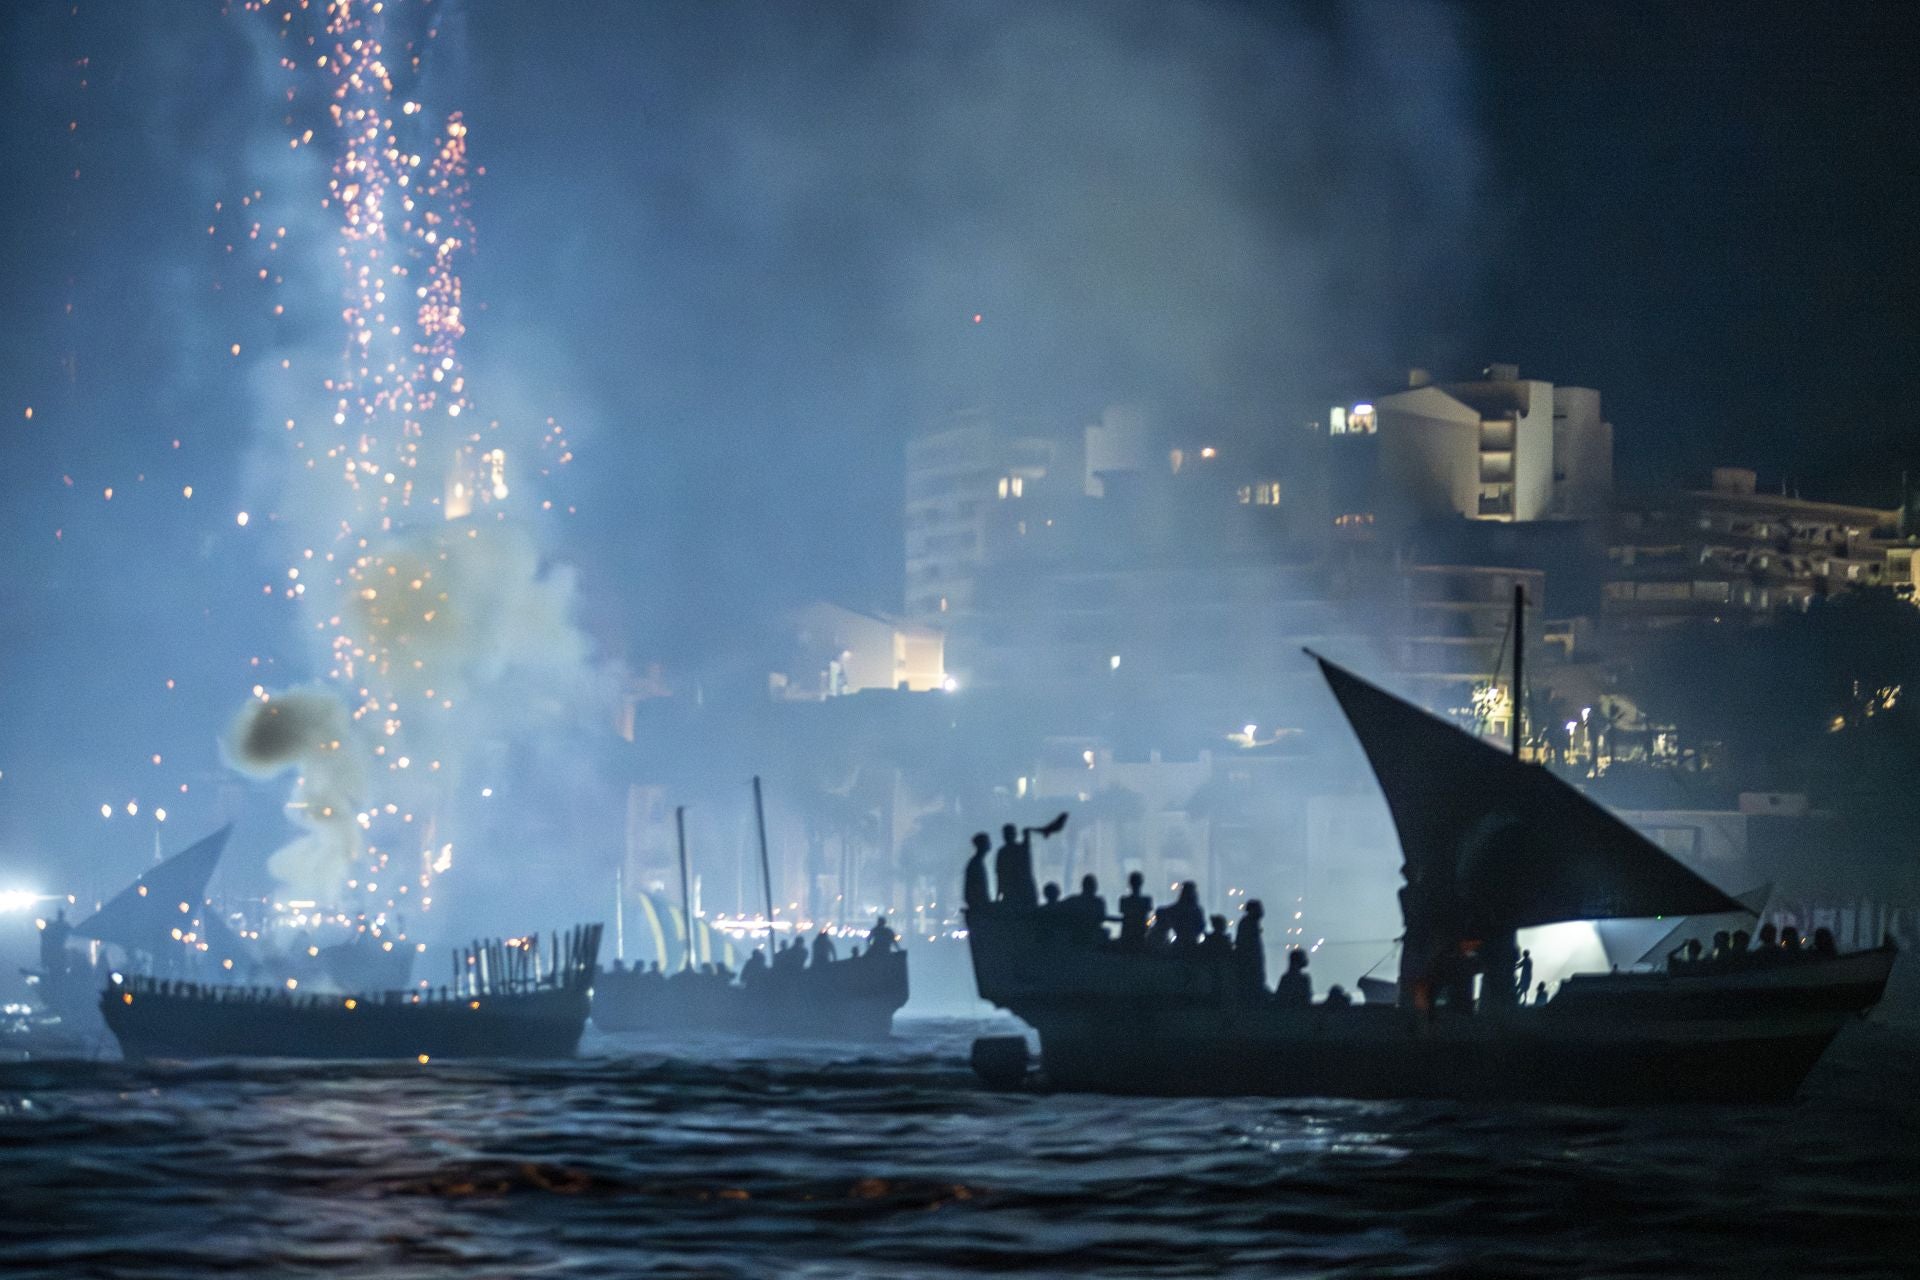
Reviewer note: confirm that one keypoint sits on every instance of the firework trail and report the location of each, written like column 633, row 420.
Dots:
column 440, row 627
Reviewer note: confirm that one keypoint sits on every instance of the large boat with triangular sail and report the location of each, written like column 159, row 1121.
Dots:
column 1491, row 844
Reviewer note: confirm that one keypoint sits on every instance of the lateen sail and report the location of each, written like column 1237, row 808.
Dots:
column 142, row 916
column 1491, row 842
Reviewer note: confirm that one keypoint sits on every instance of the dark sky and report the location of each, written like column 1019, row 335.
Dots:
column 738, row 248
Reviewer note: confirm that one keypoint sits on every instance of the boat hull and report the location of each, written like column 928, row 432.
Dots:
column 847, row 1000
column 1142, row 1022
column 539, row 1024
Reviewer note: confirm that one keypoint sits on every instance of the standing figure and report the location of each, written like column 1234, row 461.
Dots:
column 1218, row 944
column 1523, row 982
column 881, row 941
column 975, row 889
column 53, row 944
column 1013, row 870
column 824, row 952
column 1135, row 907
column 1250, row 951
column 1296, row 988
column 1089, row 913
column 1183, row 921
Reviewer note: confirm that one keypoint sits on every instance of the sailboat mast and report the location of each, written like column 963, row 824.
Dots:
column 686, row 884
column 1519, row 669
column 766, row 871
column 620, row 910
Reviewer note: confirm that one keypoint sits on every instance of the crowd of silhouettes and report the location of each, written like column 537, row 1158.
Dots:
column 1734, row 950
column 1180, row 929
column 796, row 956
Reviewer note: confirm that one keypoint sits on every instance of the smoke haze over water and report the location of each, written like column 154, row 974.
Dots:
column 737, row 251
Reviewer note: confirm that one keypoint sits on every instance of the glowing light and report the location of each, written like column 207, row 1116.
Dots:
column 241, row 518
column 13, row 900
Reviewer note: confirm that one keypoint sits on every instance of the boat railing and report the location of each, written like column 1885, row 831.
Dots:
column 486, row 969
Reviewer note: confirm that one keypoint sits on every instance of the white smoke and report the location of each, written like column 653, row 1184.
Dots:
column 307, row 730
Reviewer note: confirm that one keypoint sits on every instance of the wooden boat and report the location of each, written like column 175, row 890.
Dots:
column 852, row 999
column 847, row 1000
column 1491, row 844
column 508, row 1000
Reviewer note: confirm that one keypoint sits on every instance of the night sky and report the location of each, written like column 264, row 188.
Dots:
column 738, row 249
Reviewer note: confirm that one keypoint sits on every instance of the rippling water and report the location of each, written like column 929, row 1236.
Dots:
column 892, row 1161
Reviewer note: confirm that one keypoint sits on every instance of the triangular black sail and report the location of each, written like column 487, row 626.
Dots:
column 1491, row 842
column 142, row 916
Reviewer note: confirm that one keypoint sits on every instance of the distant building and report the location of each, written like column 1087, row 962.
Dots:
column 1500, row 447
column 960, row 478
column 1731, row 549
column 839, row 651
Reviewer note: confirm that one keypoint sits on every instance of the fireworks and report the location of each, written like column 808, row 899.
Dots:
column 389, row 476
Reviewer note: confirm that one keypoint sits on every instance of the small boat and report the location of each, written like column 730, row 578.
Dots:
column 847, row 1000
column 852, row 999
column 509, row 1000
column 1491, row 844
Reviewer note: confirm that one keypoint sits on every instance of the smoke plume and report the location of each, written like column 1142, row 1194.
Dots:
column 306, row 730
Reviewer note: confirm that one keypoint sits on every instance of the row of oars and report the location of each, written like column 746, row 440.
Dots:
column 497, row 966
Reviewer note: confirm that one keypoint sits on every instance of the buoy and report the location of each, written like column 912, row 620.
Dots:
column 1001, row 1061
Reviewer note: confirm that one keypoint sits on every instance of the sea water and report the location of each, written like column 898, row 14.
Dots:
column 892, row 1160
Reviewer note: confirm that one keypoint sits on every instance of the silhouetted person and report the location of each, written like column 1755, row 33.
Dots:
column 1540, row 994
column 1687, row 953
column 882, row 940
column 1337, row 998
column 1088, row 913
column 1525, row 981
column 975, row 889
column 1013, row 870
column 1296, row 988
column 1722, row 948
column 53, row 944
column 824, row 952
column 619, row 966
column 1790, row 941
column 791, row 958
column 1135, row 907
column 1054, row 921
column 1767, row 946
column 1250, row 949
column 1218, row 944
column 754, row 970
column 1182, row 921
column 1823, row 943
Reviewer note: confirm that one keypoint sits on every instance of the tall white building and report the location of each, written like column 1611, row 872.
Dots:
column 965, row 478
column 1500, row 447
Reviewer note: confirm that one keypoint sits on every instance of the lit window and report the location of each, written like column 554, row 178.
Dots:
column 1246, row 494
column 1267, row 493
column 1337, row 421
column 1361, row 420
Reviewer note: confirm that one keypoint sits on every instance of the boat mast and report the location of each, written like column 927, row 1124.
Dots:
column 766, row 872
column 1519, row 649
column 620, row 909
column 686, row 885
